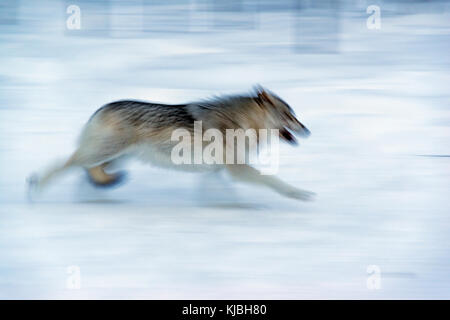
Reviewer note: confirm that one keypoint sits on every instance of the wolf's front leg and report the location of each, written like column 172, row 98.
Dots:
column 246, row 173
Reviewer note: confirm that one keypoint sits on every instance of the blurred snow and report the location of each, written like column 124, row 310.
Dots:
column 376, row 101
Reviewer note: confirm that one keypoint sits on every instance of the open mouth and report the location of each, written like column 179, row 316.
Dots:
column 288, row 136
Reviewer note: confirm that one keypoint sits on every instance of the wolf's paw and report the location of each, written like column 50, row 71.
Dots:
column 299, row 194
column 116, row 180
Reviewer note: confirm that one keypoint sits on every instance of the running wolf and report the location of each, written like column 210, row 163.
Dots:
column 144, row 130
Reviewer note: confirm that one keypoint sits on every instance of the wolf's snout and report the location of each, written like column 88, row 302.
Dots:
column 304, row 132
column 299, row 129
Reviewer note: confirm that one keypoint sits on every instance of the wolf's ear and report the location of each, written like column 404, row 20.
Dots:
column 262, row 94
column 258, row 88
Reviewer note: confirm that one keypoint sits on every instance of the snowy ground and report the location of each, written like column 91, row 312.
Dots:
column 377, row 103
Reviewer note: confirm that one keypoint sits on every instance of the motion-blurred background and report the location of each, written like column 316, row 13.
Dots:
column 369, row 78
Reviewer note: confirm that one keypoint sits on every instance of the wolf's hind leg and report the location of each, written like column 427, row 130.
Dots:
column 100, row 178
column 36, row 182
column 95, row 158
column 89, row 156
column 246, row 173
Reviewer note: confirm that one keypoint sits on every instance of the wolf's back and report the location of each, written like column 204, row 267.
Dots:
column 139, row 113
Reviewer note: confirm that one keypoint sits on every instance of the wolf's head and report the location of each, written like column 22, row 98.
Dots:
column 280, row 116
